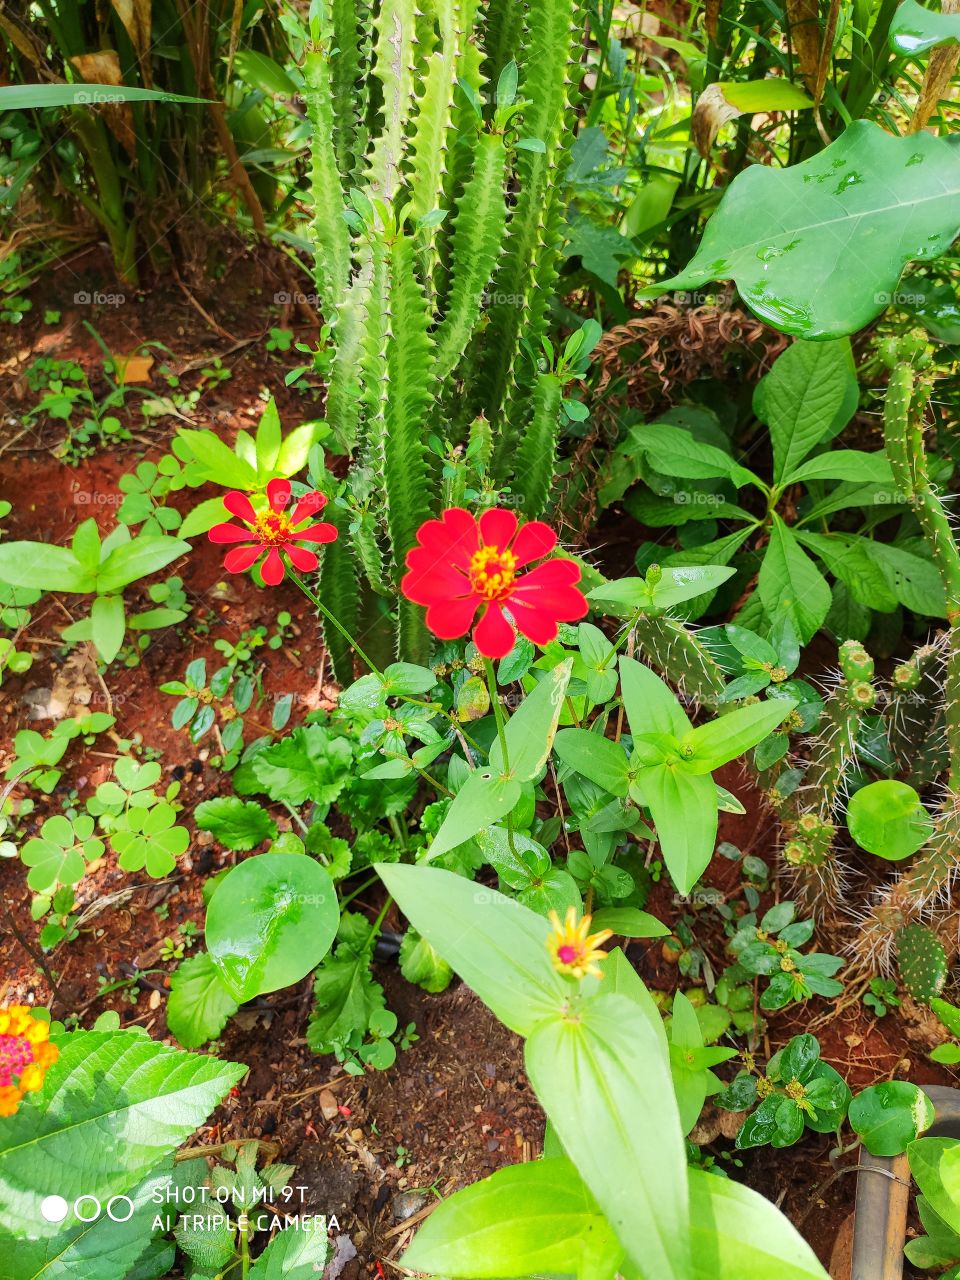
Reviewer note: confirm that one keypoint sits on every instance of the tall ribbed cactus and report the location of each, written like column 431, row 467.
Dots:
column 923, row 890
column 440, row 129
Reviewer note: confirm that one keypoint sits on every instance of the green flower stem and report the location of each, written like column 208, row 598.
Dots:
column 334, row 622
column 497, row 711
column 501, row 734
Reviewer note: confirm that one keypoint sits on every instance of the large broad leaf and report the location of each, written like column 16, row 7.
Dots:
column 297, row 1253
column 890, row 1115
column 497, row 946
column 112, row 1107
column 817, row 249
column 737, row 1234
column 679, row 453
column 800, row 398
column 270, row 921
column 108, row 624
column 602, row 761
column 528, row 1219
column 684, row 810
column 723, row 739
column 650, row 705
column 916, row 30
column 620, row 978
column 936, row 1171
column 790, row 583
column 138, row 559
column 603, row 1082
column 48, row 568
column 529, row 732
column 481, row 801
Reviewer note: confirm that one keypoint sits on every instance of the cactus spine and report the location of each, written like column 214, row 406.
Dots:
column 811, row 822
column 674, row 648
column 923, row 890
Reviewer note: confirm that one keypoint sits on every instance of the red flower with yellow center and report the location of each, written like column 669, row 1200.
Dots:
column 25, row 1055
column 461, row 564
column 574, row 948
column 273, row 531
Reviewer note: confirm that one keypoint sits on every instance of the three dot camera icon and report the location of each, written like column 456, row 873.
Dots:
column 86, row 1208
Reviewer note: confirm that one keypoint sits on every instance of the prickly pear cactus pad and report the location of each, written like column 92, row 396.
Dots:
column 922, row 962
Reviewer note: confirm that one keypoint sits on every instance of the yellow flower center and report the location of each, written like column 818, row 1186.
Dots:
column 492, row 572
column 272, row 530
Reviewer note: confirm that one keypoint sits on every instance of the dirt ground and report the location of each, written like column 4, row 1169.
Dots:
column 377, row 1151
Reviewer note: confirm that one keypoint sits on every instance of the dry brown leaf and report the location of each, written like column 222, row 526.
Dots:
column 710, row 114
column 711, row 17
column 135, row 16
column 104, row 68
column 804, row 17
column 131, row 369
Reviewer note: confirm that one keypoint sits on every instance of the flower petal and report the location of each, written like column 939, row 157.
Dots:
column 241, row 558
column 238, row 504
column 555, row 573
column 321, row 532
column 272, row 568
column 564, row 603
column 435, row 584
column 308, row 506
column 497, row 527
column 228, row 533
column 534, row 541
column 493, row 634
column 301, row 558
column 535, row 624
column 278, row 495
column 450, row 619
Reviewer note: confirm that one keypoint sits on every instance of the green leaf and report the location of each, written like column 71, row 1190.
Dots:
column 738, row 1234
column 784, row 235
column 690, row 1062
column 887, row 818
column 530, row 730
column 927, row 1156
column 791, row 583
column 235, row 823
column 498, row 947
column 844, row 464
column 890, row 1115
column 684, row 810
column 270, row 921
column 422, row 964
column 199, row 1005
column 525, row 1220
column 603, row 1082
column 677, row 452
column 299, row 1252
column 800, row 397
column 311, row 764
column 629, row 922
column 220, row 463
column 650, row 705
column 346, row 997
column 726, row 737
column 108, row 624
column 261, row 72
column 30, row 97
column 203, row 517
column 915, row 30
column 138, row 559
column 482, row 800
column 112, row 1107
column 36, row 564
column 602, row 761
column 914, row 579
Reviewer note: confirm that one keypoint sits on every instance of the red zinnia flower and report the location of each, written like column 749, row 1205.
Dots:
column 462, row 564
column 272, row 531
